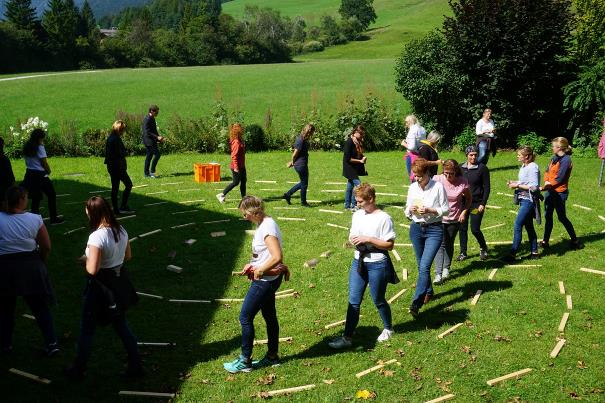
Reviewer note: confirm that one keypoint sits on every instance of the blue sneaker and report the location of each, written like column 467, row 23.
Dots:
column 238, row 365
column 265, row 362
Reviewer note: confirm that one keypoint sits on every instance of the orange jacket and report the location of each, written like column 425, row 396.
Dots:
column 558, row 173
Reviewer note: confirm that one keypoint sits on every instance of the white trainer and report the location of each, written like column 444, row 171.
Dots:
column 220, row 197
column 437, row 279
column 445, row 274
column 385, row 335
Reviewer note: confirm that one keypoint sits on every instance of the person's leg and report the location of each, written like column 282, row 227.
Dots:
column 525, row 210
column 377, row 278
column 127, row 188
column 88, row 326
column 298, row 186
column 531, row 232
column 303, row 174
column 562, row 216
column 120, row 325
column 408, row 163
column 476, row 220
column 44, row 319
column 464, row 235
column 449, row 236
column 250, row 307
column 440, row 258
column 550, row 200
column 148, row 156
column 483, row 152
column 433, row 239
column 418, row 238
column 7, row 321
column 357, row 287
column 348, row 193
column 49, row 190
column 234, row 182
column 156, row 157
column 270, row 315
column 115, row 187
column 243, row 181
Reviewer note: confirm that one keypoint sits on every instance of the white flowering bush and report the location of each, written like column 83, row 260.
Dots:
column 20, row 135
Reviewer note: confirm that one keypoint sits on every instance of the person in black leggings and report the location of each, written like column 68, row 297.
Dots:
column 477, row 175
column 115, row 159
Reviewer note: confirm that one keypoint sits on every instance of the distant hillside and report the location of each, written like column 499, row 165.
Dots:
column 99, row 7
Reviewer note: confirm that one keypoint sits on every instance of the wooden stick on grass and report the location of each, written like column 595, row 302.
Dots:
column 265, row 341
column 30, row 376
column 374, row 368
column 602, row 273
column 506, row 377
column 561, row 288
column 555, row 351
column 394, row 297
column 396, row 254
column 476, row 297
column 145, row 394
column 569, row 303
column 144, row 294
column 190, row 301
column 442, row 398
column 563, row 322
column 450, row 330
column 290, row 390
column 492, row 274
column 155, row 231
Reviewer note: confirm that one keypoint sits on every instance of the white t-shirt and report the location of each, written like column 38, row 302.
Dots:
column 482, row 126
column 112, row 253
column 35, row 162
column 415, row 134
column 377, row 225
column 18, row 232
column 433, row 195
column 260, row 252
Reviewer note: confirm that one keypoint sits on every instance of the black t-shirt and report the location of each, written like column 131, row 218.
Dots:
column 7, row 178
column 303, row 152
column 428, row 153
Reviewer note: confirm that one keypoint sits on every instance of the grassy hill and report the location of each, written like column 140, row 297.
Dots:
column 398, row 22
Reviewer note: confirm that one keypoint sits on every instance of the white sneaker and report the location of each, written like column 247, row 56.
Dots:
column 340, row 343
column 437, row 279
column 385, row 335
column 445, row 274
column 220, row 197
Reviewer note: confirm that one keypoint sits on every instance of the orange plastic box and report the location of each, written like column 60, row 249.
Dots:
column 207, row 172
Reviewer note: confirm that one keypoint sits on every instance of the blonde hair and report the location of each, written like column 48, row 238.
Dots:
column 563, row 144
column 412, row 119
column 365, row 191
column 307, row 131
column 118, row 127
column 252, row 205
column 527, row 152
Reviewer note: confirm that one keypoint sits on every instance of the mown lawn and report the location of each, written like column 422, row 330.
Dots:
column 513, row 326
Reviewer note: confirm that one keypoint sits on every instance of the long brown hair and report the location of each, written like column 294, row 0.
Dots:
column 236, row 131
column 99, row 212
column 307, row 131
column 359, row 146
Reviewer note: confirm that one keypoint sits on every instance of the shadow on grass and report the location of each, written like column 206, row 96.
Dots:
column 207, row 266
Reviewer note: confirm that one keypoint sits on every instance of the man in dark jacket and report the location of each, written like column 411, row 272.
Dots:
column 151, row 138
column 7, row 178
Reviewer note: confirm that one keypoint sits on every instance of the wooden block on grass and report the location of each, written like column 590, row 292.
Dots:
column 386, row 194
column 374, row 368
column 64, row 195
column 215, row 221
column 192, row 201
column 190, row 241
column 442, row 398
column 100, row 191
column 602, row 273
column 154, row 204
column 74, row 230
column 582, row 207
column 250, row 232
column 144, row 294
column 182, row 225
column 334, row 183
column 291, row 219
column 409, row 245
column 279, row 392
column 602, row 218
column 394, row 297
column 126, row 217
column 555, row 351
column 155, row 231
column 450, row 330
column 153, row 344
column 492, row 274
column 133, row 239
column 330, row 211
column 404, row 225
column 476, row 297
column 331, row 191
column 523, row 265
column 505, row 194
column 563, row 322
column 145, row 394
column 139, row 186
column 170, row 183
column 229, row 300
column 29, row 376
column 335, row 226
column 280, row 296
column 288, row 291
column 173, row 268
column 404, row 274
column 190, row 301
column 184, row 212
column 569, row 303
column 494, row 207
column 494, row 226
column 340, row 322
column 499, row 242
column 28, row 316
column 217, row 234
column 261, row 181
column 396, row 254
column 561, row 288
column 266, row 341
column 156, row 193
column 506, row 377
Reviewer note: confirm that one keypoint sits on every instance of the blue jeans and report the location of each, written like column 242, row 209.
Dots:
column 303, row 174
column 426, row 241
column 554, row 200
column 377, row 278
column 260, row 297
column 38, row 306
column 351, row 183
column 152, row 151
column 525, row 218
column 483, row 154
column 408, row 164
column 88, row 326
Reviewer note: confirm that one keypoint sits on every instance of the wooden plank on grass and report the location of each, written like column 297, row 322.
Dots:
column 144, row 294
column 476, row 297
column 261, row 181
column 442, row 398
column 139, row 186
column 155, row 204
column 155, row 344
column 291, row 219
column 182, row 225
column 396, row 254
column 331, row 191
column 334, row 183
column 329, row 224
column 229, row 300
column 494, row 226
column 561, row 288
column 582, row 207
column 64, row 195
column 404, row 274
column 386, row 194
column 569, row 303
column 266, row 341
column 334, row 324
column 499, row 242
column 523, row 265
column 505, row 194
column 394, row 297
column 602, row 218
column 450, row 330
column 563, row 322
column 74, row 230
column 293, row 294
column 492, row 274
column 330, row 211
column 145, row 394
column 156, row 193
column 506, row 377
column 404, row 244
column 29, row 376
column 602, row 273
column 170, row 183
column 295, row 389
column 268, row 190
column 126, row 217
column 190, row 301
column 374, row 368
column 555, row 351
column 217, row 234
column 494, row 207
column 100, row 191
column 286, row 208
column 155, row 231
column 175, row 269
column 184, row 212
column 215, row 221
column 288, row 291
column 404, row 226
column 28, row 316
column 192, row 201
column 512, row 212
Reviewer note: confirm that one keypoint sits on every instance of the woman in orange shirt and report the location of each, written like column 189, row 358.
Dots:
column 238, row 162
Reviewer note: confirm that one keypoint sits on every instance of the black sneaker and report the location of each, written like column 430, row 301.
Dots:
column 544, row 244
column 461, row 257
column 483, row 254
column 305, row 204
column 286, row 197
column 413, row 310
column 510, row 258
column 534, row 256
column 57, row 221
column 52, row 349
column 576, row 245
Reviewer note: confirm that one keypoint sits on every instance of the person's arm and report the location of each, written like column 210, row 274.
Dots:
column 377, row 242
column 468, row 199
column 272, row 244
column 562, row 174
column 127, row 252
column 442, row 206
column 486, row 185
column 43, row 241
column 295, row 154
column 93, row 261
column 150, row 129
column 45, row 165
column 235, row 147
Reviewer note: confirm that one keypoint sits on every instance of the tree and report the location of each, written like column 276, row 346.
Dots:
column 88, row 24
column 61, row 23
column 21, row 14
column 363, row 10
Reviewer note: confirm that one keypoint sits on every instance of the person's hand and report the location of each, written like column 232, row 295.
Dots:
column 512, row 185
column 258, row 274
column 423, row 210
column 414, row 209
column 359, row 239
column 364, row 159
column 236, row 171
column 403, row 143
column 481, row 208
column 462, row 217
column 290, row 164
column 161, row 139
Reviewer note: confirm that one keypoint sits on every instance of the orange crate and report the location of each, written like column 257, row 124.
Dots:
column 207, row 172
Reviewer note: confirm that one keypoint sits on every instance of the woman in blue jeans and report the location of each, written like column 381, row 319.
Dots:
column 426, row 205
column 373, row 235
column 527, row 190
column 266, row 271
column 353, row 163
column 300, row 162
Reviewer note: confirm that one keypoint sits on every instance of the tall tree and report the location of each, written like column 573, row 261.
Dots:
column 21, row 14
column 88, row 24
column 61, row 22
column 363, row 10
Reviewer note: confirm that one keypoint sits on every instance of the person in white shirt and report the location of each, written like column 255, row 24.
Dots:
column 266, row 271
column 416, row 133
column 108, row 293
column 485, row 130
column 426, row 205
column 373, row 236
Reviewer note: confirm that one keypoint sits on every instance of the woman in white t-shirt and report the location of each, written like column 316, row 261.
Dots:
column 266, row 271
column 416, row 133
column 108, row 292
column 485, row 130
column 37, row 173
column 24, row 248
column 373, row 235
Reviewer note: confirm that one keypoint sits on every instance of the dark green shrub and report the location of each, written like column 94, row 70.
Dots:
column 94, row 139
column 254, row 137
column 312, row 46
column 466, row 138
column 132, row 137
column 539, row 144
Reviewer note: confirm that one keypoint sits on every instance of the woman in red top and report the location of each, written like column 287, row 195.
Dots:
column 556, row 178
column 238, row 162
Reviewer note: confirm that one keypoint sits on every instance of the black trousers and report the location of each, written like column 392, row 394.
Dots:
column 118, row 174
column 239, row 178
column 152, row 152
column 37, row 183
column 475, row 220
column 41, row 311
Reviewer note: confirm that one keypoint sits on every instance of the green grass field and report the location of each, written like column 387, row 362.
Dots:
column 513, row 326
